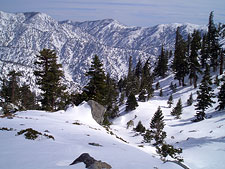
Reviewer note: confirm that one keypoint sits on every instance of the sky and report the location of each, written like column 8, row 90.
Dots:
column 128, row 12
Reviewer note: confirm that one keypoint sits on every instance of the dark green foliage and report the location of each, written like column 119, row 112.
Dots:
column 131, row 103
column 167, row 149
column 177, row 111
column 221, row 97
column 162, row 64
column 190, row 100
column 121, row 100
column 173, row 87
column 30, row 133
column 180, row 64
column 204, row 95
column 48, row 75
column 170, row 101
column 217, row 81
column 148, row 136
column 157, row 124
column 194, row 66
column 213, row 42
column 161, row 93
column 157, row 86
column 96, row 88
column 140, row 128
column 28, row 98
column 204, row 51
column 143, row 96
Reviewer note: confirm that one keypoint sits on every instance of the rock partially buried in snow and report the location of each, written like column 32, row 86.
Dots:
column 97, row 111
column 90, row 162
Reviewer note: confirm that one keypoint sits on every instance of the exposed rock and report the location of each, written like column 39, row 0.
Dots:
column 9, row 108
column 97, row 111
column 90, row 162
column 99, row 165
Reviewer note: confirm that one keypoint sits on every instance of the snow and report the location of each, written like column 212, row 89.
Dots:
column 71, row 140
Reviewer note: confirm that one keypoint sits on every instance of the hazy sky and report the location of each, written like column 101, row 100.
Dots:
column 128, row 12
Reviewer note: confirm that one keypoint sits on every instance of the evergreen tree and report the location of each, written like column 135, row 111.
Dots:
column 28, row 98
column 131, row 103
column 140, row 128
column 10, row 89
column 162, row 64
column 161, row 93
column 170, row 101
column 96, row 88
column 180, row 64
column 190, row 100
column 221, row 97
column 156, row 133
column 48, row 75
column 213, row 42
column 217, row 81
column 142, row 97
column 204, row 95
column 177, row 111
column 194, row 66
column 204, row 51
column 157, row 86
column 147, row 80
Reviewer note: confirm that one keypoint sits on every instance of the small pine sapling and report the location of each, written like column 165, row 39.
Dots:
column 170, row 101
column 177, row 111
column 190, row 100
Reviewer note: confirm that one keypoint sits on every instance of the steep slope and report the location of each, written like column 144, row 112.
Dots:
column 23, row 35
column 202, row 142
column 72, row 130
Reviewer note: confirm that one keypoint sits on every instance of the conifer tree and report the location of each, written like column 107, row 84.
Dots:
column 190, row 100
column 204, row 51
column 204, row 95
column 162, row 64
column 213, row 42
column 180, row 64
column 49, row 75
column 221, row 97
column 161, row 93
column 194, row 66
column 96, row 88
column 156, row 133
column 147, row 80
column 177, row 111
column 142, row 97
column 140, row 128
column 170, row 101
column 131, row 103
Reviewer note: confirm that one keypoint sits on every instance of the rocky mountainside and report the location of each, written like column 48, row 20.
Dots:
column 23, row 35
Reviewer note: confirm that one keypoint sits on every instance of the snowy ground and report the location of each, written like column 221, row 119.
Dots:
column 203, row 143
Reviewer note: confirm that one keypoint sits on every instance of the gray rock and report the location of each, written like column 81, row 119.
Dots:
column 90, row 162
column 100, row 165
column 97, row 111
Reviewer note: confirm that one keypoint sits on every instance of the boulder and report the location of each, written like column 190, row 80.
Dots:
column 90, row 162
column 100, row 165
column 97, row 111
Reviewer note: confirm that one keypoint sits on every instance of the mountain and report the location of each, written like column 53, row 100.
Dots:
column 23, row 35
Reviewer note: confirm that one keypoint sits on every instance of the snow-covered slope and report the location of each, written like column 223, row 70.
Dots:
column 72, row 130
column 23, row 35
column 202, row 142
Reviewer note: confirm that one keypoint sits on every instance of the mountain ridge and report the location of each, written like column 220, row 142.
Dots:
column 23, row 35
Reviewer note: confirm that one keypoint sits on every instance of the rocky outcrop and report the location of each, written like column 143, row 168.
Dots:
column 90, row 162
column 97, row 111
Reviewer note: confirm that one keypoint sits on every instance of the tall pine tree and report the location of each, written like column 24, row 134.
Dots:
column 49, row 76
column 96, row 88
column 204, row 95
column 162, row 64
column 221, row 96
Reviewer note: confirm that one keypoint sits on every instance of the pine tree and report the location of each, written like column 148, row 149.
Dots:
column 217, row 81
column 204, row 95
column 190, row 100
column 142, row 97
column 213, row 42
column 177, row 111
column 221, row 97
column 180, row 64
column 194, row 66
column 49, row 75
column 131, row 103
column 96, row 88
column 161, row 93
column 170, row 101
column 140, row 128
column 204, row 51
column 147, row 80
column 157, row 86
column 156, row 133
column 162, row 64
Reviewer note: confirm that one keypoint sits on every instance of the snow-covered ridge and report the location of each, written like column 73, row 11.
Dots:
column 23, row 35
